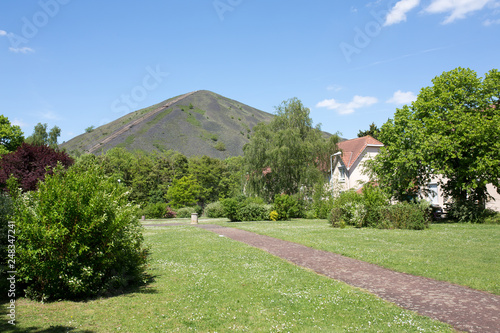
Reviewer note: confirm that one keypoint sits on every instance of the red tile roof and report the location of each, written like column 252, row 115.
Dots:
column 351, row 149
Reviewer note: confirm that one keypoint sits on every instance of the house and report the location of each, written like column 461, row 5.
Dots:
column 347, row 165
column 347, row 171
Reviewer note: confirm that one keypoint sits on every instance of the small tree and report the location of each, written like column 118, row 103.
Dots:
column 184, row 192
column 11, row 136
column 29, row 164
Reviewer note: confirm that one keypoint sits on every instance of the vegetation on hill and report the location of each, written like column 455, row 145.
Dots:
column 203, row 123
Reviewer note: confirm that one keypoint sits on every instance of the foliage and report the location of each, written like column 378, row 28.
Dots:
column 374, row 132
column 158, row 210
column 185, row 212
column 245, row 209
column 450, row 130
column 214, row 210
column 41, row 137
column 6, row 210
column 184, row 192
column 405, row 215
column 90, row 129
column 322, row 202
column 11, row 136
column 348, row 209
column 287, row 154
column 287, row 207
column 373, row 199
column 78, row 236
column 220, row 146
column 30, row 164
column 372, row 209
column 273, row 216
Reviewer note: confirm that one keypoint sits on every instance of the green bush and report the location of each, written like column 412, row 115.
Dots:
column 214, row 210
column 373, row 199
column 155, row 210
column 348, row 209
column 246, row 209
column 405, row 215
column 6, row 210
column 254, row 212
column 287, row 207
column 186, row 212
column 78, row 237
column 491, row 217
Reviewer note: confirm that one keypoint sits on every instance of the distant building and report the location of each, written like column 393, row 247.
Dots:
column 347, row 171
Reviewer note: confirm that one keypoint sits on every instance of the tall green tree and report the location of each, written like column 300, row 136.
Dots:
column 373, row 131
column 11, row 136
column 41, row 137
column 288, row 154
column 452, row 130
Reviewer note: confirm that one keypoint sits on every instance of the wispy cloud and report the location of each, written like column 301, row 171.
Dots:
column 457, row 9
column 398, row 12
column 3, row 33
column 18, row 122
column 334, row 87
column 347, row 108
column 402, row 98
column 21, row 49
column 489, row 22
column 50, row 115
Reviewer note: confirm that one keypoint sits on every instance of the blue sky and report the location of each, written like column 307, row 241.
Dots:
column 75, row 63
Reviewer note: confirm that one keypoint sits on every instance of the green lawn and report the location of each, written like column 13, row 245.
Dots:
column 207, row 283
column 465, row 254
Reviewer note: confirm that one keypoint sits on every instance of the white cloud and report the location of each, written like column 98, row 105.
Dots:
column 489, row 22
column 21, row 49
column 3, row 33
column 402, row 98
column 398, row 12
column 347, row 108
column 17, row 122
column 49, row 115
column 334, row 87
column 458, row 9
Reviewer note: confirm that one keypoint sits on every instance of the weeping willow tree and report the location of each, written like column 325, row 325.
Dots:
column 287, row 155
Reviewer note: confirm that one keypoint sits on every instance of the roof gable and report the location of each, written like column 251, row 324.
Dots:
column 352, row 149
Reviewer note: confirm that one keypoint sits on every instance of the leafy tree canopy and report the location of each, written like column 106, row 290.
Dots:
column 453, row 130
column 29, row 164
column 288, row 154
column 373, row 131
column 41, row 137
column 11, row 136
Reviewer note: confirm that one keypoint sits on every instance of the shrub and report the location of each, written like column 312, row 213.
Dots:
column 214, row 210
column 6, row 210
column 186, row 212
column 491, row 217
column 78, row 236
column 348, row 209
column 373, row 199
column 405, row 215
column 246, row 209
column 273, row 215
column 253, row 212
column 466, row 212
column 169, row 213
column 155, row 210
column 231, row 209
column 287, row 207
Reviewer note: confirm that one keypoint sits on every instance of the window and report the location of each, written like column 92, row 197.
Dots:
column 342, row 173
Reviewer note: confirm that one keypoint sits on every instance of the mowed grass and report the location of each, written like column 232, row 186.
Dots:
column 207, row 283
column 465, row 254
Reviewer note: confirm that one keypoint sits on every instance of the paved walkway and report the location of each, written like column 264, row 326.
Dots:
column 463, row 308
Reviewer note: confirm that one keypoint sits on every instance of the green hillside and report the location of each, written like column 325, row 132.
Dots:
column 197, row 123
